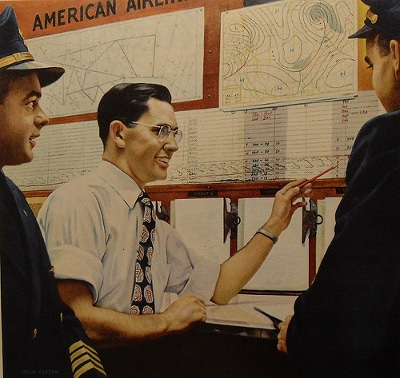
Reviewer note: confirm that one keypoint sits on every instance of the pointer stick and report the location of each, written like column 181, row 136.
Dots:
column 318, row 175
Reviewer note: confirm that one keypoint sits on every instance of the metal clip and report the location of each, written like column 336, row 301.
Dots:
column 311, row 219
column 231, row 221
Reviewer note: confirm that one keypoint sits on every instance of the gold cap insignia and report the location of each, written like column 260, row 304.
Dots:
column 372, row 16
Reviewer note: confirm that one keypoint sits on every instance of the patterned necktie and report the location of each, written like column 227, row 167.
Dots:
column 143, row 299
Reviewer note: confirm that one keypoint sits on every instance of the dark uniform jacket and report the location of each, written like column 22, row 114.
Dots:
column 348, row 322
column 41, row 335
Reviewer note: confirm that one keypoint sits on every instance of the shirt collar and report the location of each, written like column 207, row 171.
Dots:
column 123, row 184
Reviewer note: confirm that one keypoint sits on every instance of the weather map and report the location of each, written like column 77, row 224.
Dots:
column 287, row 52
column 166, row 49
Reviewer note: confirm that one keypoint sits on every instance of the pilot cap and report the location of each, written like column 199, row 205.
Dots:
column 14, row 54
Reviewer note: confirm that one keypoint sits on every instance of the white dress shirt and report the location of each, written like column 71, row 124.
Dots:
column 91, row 226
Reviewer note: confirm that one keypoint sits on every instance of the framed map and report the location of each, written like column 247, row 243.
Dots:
column 288, row 52
column 166, row 49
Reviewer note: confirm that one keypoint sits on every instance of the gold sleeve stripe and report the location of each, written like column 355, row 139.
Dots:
column 82, row 370
column 85, row 368
column 79, row 344
column 84, row 349
column 83, row 358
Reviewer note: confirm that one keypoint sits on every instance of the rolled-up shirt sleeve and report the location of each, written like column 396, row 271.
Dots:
column 75, row 238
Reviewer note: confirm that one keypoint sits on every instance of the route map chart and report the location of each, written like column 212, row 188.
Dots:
column 165, row 49
column 288, row 52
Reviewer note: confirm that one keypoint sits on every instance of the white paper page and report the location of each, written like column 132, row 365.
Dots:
column 330, row 206
column 200, row 221
column 320, row 237
column 287, row 265
column 241, row 310
column 279, row 310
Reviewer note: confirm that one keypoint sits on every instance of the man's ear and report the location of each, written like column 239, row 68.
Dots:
column 395, row 51
column 117, row 129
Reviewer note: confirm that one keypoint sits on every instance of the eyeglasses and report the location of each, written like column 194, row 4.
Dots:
column 163, row 131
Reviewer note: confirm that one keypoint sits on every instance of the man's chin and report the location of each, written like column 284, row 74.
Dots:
column 20, row 160
column 159, row 178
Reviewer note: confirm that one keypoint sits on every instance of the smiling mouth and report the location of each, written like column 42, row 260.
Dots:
column 32, row 140
column 163, row 160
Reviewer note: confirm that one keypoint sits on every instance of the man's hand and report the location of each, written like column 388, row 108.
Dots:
column 283, row 327
column 285, row 204
column 185, row 312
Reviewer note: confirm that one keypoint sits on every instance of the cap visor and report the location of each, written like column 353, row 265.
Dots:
column 47, row 74
column 362, row 33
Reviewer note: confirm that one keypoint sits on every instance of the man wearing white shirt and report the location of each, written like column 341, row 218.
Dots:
column 92, row 226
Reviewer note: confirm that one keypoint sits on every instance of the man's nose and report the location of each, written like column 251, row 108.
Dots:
column 41, row 119
column 171, row 143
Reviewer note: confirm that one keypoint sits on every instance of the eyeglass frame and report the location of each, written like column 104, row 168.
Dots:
column 178, row 133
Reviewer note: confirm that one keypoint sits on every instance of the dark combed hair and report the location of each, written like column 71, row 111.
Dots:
column 127, row 102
